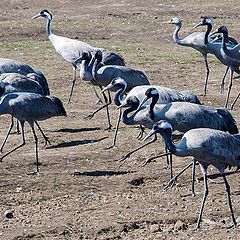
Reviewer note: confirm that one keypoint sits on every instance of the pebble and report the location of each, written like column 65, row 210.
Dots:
column 9, row 214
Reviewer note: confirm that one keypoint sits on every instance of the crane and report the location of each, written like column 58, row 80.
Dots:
column 103, row 74
column 183, row 116
column 30, row 107
column 196, row 41
column 231, row 55
column 166, row 95
column 15, row 82
column 215, row 48
column 70, row 49
column 208, row 147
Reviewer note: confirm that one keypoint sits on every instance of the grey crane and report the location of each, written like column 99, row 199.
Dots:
column 182, row 115
column 15, row 82
column 103, row 74
column 208, row 147
column 196, row 41
column 232, row 55
column 30, row 107
column 215, row 48
column 166, row 95
column 71, row 49
column 14, row 66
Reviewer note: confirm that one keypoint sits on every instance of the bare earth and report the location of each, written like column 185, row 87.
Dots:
column 108, row 199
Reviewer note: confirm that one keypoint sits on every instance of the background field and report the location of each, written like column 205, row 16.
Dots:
column 108, row 200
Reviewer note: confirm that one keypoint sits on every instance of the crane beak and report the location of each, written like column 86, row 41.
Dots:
column 169, row 21
column 198, row 25
column 36, row 16
column 109, row 86
column 142, row 103
column 151, row 133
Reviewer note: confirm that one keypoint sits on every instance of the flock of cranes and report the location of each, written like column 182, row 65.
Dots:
column 210, row 134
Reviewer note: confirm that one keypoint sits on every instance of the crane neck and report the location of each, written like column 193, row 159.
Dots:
column 119, row 94
column 155, row 98
column 176, row 38
column 49, row 27
column 129, row 120
column 224, row 41
column 208, row 30
column 167, row 136
column 96, row 64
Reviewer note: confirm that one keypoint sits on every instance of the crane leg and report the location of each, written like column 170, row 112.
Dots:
column 235, row 100
column 116, row 130
column 99, row 100
column 107, row 103
column 138, row 148
column 207, row 74
column 22, row 144
column 8, row 133
column 174, row 179
column 73, row 83
column 44, row 136
column 36, row 148
column 193, row 176
column 229, row 89
column 142, row 131
column 204, row 171
column 227, row 188
column 223, row 80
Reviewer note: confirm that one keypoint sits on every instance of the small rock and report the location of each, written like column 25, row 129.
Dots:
column 179, row 225
column 155, row 228
column 9, row 214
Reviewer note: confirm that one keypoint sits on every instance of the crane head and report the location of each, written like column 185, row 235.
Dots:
column 204, row 21
column 44, row 13
column 161, row 127
column 98, row 55
column 115, row 82
column 222, row 29
column 132, row 102
column 174, row 20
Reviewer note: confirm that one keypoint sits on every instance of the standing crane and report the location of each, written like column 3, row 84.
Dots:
column 196, row 41
column 231, row 55
column 183, row 116
column 71, row 49
column 15, row 82
column 30, row 107
column 215, row 48
column 208, row 147
column 166, row 95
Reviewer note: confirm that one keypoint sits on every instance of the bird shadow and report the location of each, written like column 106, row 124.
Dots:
column 217, row 175
column 101, row 173
column 75, row 143
column 77, row 130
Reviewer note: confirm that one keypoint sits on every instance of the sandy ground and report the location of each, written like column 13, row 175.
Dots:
column 82, row 192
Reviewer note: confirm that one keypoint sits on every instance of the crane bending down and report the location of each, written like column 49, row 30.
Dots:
column 166, row 95
column 182, row 115
column 70, row 49
column 15, row 82
column 30, row 107
column 103, row 74
column 208, row 147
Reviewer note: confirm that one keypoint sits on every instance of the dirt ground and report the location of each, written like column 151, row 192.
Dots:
column 82, row 192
